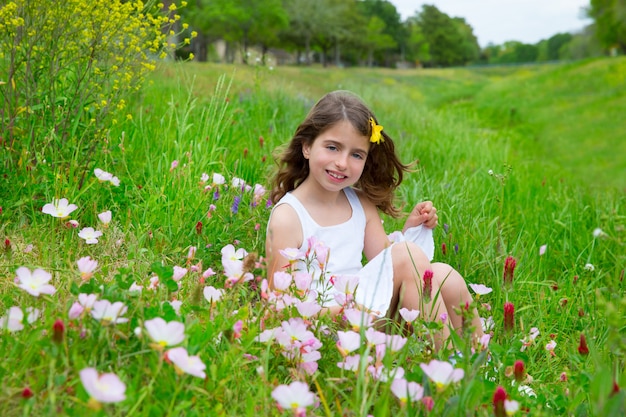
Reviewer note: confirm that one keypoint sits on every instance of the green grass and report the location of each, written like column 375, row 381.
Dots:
column 557, row 173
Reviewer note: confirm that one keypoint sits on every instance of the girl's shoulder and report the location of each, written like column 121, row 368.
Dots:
column 368, row 207
column 284, row 226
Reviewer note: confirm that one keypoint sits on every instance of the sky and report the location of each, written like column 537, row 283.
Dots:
column 498, row 21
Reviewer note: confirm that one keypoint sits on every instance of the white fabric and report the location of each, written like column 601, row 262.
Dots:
column 347, row 239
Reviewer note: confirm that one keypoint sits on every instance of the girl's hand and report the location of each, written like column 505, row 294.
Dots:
column 423, row 213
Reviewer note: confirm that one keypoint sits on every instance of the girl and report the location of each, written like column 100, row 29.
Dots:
column 338, row 171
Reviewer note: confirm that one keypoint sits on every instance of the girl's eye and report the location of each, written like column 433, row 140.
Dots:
column 357, row 155
column 331, row 148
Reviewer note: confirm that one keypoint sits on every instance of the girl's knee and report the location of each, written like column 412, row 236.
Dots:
column 408, row 256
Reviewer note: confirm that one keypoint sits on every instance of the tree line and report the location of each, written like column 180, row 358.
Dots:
column 372, row 33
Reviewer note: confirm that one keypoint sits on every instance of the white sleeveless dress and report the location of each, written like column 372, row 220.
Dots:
column 346, row 243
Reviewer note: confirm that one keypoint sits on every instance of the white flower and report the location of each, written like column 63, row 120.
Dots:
column 59, row 208
column 511, row 407
column 442, row 373
column 184, row 363
column 295, row 396
column 407, row 391
column 165, row 333
column 218, row 179
column 480, row 289
column 102, row 175
column 12, row 321
column 597, row 232
column 35, row 282
column 105, row 217
column 135, row 287
column 106, row 176
column 105, row 388
column 90, row 235
column 107, row 313
column 212, row 294
column 590, row 267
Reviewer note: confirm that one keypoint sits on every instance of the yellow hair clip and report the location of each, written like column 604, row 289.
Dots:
column 376, row 137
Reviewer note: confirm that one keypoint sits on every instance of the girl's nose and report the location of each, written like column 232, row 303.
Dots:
column 341, row 162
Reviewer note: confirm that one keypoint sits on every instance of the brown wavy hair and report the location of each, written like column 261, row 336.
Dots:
column 383, row 170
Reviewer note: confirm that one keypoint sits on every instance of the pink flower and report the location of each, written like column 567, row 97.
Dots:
column 179, row 273
column 86, row 266
column 374, row 337
column 480, row 289
column 282, row 281
column 395, row 342
column 308, row 309
column 346, row 284
column 543, row 249
column 407, row 391
column 295, row 397
column 357, row 318
column 292, row 254
column 184, row 363
column 442, row 373
column 212, row 294
column 13, row 320
column 35, row 282
column 237, row 329
column 105, row 176
column 85, row 302
column 409, row 315
column 173, row 165
column 90, row 235
column 348, row 342
column 351, row 363
column 59, row 208
column 165, row 333
column 105, row 388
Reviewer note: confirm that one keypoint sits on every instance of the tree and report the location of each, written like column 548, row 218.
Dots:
column 376, row 39
column 417, row 48
column 451, row 41
column 610, row 21
column 392, row 27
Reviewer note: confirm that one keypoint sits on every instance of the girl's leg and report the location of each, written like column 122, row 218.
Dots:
column 409, row 264
column 455, row 294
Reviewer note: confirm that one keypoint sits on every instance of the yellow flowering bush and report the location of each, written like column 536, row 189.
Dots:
column 67, row 68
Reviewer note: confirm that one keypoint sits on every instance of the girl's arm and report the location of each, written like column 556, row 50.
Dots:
column 283, row 231
column 375, row 236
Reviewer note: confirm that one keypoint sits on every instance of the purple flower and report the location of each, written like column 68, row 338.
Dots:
column 235, row 206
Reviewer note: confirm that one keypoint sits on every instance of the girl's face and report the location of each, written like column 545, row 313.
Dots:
column 337, row 156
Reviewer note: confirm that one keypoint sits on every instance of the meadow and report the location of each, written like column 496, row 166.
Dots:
column 526, row 165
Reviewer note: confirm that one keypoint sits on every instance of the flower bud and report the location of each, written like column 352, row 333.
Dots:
column 58, row 330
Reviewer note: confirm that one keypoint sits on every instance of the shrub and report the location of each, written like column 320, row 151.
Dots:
column 66, row 70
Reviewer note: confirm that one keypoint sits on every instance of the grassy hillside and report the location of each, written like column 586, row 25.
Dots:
column 526, row 162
